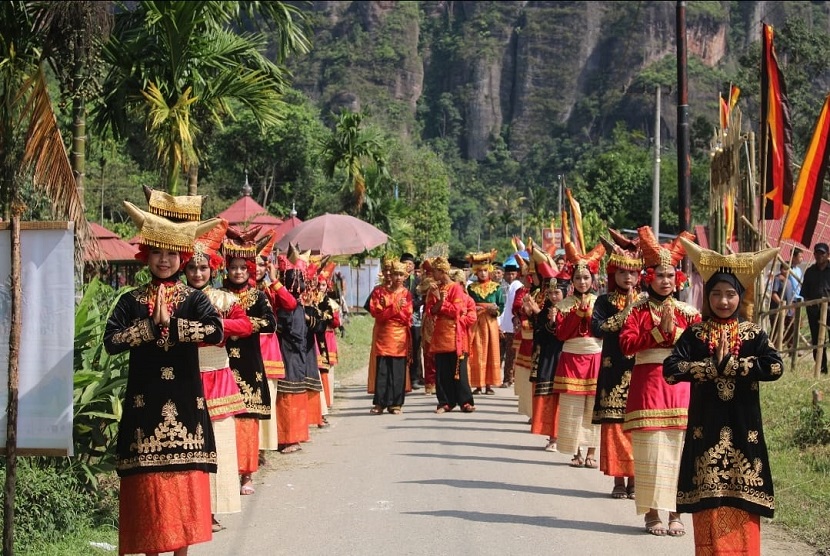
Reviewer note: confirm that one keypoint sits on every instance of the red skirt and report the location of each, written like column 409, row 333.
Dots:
column 163, row 512
column 222, row 393
column 324, row 378
column 616, row 459
column 271, row 356
column 247, row 444
column 727, row 530
column 315, row 408
column 292, row 417
column 545, row 418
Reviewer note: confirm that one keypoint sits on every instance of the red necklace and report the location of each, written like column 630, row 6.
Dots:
column 712, row 330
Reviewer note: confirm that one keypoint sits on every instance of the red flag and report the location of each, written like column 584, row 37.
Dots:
column 724, row 114
column 806, row 201
column 776, row 132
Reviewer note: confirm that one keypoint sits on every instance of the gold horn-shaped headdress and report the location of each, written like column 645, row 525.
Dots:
column 158, row 231
column 746, row 267
column 265, row 244
column 482, row 260
column 184, row 207
column 625, row 253
column 241, row 244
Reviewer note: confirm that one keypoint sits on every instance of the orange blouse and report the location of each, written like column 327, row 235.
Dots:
column 393, row 317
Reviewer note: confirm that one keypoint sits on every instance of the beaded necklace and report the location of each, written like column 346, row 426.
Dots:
column 712, row 330
column 169, row 295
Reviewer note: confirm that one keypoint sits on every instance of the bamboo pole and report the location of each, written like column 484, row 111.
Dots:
column 822, row 332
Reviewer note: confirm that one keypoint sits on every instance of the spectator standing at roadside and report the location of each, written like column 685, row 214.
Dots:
column 817, row 286
column 511, row 278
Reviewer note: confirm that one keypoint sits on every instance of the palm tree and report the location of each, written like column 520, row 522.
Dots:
column 505, row 204
column 177, row 63
column 31, row 148
column 352, row 149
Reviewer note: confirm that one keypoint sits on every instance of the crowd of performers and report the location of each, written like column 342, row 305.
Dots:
column 632, row 381
column 219, row 372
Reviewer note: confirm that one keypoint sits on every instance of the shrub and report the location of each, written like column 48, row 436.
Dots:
column 813, row 427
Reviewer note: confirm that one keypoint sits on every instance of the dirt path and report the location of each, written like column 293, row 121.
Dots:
column 420, row 483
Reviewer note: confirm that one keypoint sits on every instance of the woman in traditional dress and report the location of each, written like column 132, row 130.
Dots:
column 427, row 329
column 330, row 301
column 523, row 338
column 485, row 363
column 546, row 350
column 725, row 477
column 615, row 455
column 392, row 309
column 447, row 302
column 655, row 412
column 240, row 251
column 165, row 448
column 576, row 373
column 385, row 278
column 222, row 394
column 269, row 346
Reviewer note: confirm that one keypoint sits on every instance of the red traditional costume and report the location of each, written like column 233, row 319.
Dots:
column 523, row 341
column 656, row 413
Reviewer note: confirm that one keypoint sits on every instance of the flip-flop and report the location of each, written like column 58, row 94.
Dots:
column 590, row 462
column 619, row 492
column 577, row 461
column 676, row 532
column 246, row 490
column 655, row 527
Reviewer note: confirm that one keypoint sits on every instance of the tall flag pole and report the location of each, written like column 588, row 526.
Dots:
column 776, row 132
column 802, row 214
column 576, row 221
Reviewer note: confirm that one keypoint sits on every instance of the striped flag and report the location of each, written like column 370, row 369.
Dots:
column 734, row 94
column 776, row 132
column 576, row 223
column 724, row 114
column 729, row 216
column 802, row 215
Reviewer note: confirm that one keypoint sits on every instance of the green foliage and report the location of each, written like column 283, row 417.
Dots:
column 99, row 383
column 50, row 503
column 813, row 427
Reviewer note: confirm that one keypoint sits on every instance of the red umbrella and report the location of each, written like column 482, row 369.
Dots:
column 334, row 234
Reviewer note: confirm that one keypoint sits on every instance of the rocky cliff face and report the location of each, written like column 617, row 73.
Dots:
column 524, row 70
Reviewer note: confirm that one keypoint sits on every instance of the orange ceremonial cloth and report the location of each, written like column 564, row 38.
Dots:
column 616, row 458
column 485, row 358
column 163, row 512
column 324, row 378
column 292, row 417
column 315, row 408
column 392, row 311
column 453, row 319
column 545, row 418
column 726, row 530
column 247, row 444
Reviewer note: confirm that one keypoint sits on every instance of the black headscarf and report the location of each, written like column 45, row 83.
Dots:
column 730, row 279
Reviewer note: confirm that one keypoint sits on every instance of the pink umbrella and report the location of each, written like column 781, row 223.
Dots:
column 334, row 234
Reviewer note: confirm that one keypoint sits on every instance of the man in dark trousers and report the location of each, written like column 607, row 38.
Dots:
column 416, row 373
column 817, row 286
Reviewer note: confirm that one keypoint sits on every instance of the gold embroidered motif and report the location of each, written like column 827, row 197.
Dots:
column 752, row 437
column 723, row 470
column 618, row 395
column 235, row 352
column 170, row 433
column 259, row 377
column 726, row 388
column 775, row 369
column 138, row 400
column 200, row 403
column 193, row 331
column 483, row 290
column 167, row 373
column 258, row 323
column 165, row 342
column 247, row 298
column 135, row 335
column 253, row 398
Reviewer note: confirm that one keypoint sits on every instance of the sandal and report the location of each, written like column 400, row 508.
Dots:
column 619, row 492
column 577, row 461
column 247, row 486
column 551, row 447
column 590, row 462
column 477, row 391
column 442, row 409
column 630, row 491
column 216, row 526
column 396, row 411
column 677, row 531
column 490, row 392
column 291, row 448
column 468, row 408
column 655, row 527
column 377, row 410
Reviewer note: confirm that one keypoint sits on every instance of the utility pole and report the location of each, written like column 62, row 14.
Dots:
column 684, row 175
column 655, row 193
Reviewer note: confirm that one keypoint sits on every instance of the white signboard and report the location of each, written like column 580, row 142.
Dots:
column 44, row 423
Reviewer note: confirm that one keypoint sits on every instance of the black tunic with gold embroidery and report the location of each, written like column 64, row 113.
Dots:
column 165, row 425
column 245, row 354
column 615, row 368
column 725, row 460
column 546, row 350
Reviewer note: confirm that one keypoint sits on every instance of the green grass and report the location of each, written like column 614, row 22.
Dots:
column 801, row 476
column 77, row 543
column 353, row 350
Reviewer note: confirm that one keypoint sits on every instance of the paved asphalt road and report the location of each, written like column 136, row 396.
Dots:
column 420, row 483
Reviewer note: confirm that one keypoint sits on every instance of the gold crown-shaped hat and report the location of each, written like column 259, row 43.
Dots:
column 482, row 260
column 185, row 207
column 746, row 267
column 655, row 254
column 625, row 253
column 242, row 244
column 440, row 263
column 158, row 231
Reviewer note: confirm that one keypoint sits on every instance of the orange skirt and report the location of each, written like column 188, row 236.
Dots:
column 292, row 417
column 163, row 512
column 315, row 408
column 727, row 530
column 324, row 378
column 247, row 444
column 545, row 418
column 616, row 458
